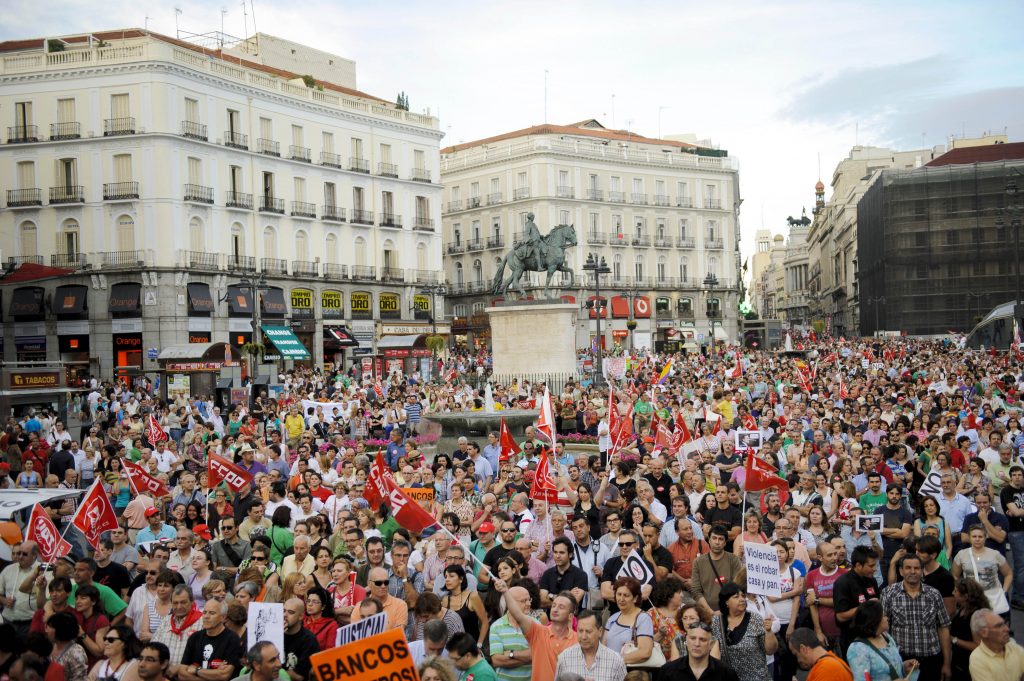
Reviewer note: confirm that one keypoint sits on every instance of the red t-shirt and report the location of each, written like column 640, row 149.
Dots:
column 38, row 624
column 823, row 586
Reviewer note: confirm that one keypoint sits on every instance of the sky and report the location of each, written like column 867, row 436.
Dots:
column 786, row 87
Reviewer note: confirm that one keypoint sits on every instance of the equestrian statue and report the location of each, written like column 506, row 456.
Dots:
column 536, row 254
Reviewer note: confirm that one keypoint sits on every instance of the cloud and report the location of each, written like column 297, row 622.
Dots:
column 993, row 110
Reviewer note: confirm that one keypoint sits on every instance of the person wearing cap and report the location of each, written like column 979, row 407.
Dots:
column 249, row 462
column 156, row 530
column 5, row 476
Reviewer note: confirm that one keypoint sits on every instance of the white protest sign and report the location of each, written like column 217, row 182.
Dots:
column 762, row 564
column 266, row 623
column 932, row 485
column 636, row 567
column 356, row 631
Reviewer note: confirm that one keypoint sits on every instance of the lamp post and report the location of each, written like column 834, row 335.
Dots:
column 597, row 268
column 254, row 283
column 1014, row 209
column 876, row 301
column 630, row 296
column 433, row 290
column 710, row 282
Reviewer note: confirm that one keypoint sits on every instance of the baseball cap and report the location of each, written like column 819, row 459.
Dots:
column 150, row 512
column 486, row 526
column 202, row 531
column 5, row 467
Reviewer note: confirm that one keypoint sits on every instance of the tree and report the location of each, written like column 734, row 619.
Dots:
column 402, row 102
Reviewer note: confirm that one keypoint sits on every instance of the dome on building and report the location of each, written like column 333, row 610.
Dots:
column 820, row 187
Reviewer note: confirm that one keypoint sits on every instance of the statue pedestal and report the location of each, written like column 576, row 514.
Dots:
column 529, row 338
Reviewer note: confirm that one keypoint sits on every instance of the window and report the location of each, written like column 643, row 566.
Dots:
column 952, row 237
column 709, row 195
column 191, row 110
column 300, row 188
column 684, row 269
column 266, row 128
column 685, row 307
column 123, row 168
column 661, row 305
column 662, row 267
column 495, row 185
column 390, row 257
column 478, row 272
column 327, row 142
column 521, row 181
column 302, row 245
column 68, row 238
column 460, row 278
column 195, row 170
column 422, row 209
column 638, row 267
column 268, row 185
column 237, row 242
column 331, row 249
column 921, row 238
column 712, row 230
column 457, row 233
column 23, row 115
column 496, row 228
column 234, row 123
column 640, row 225
column 67, row 173
column 66, row 111
column 593, row 182
column 360, row 251
column 120, row 106
column 269, row 242
column 421, row 257
column 683, row 228
column 459, row 310
column 478, row 308
column 385, row 153
column 195, row 235
column 387, row 204
column 713, row 265
column 617, row 223
column 474, row 190
column 125, row 233
column 682, row 193
column 638, row 185
column 563, row 217
column 660, row 229
column 357, row 198
column 26, row 175
column 475, row 230
column 617, row 267
column 419, row 159
column 330, row 195
column 357, row 148
column 595, row 224
column 297, row 136
column 235, row 178
column 29, row 240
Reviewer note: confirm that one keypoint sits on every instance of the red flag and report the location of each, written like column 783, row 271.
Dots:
column 844, row 394
column 506, row 443
column 95, row 515
column 717, row 428
column 543, row 487
column 378, row 388
column 383, row 488
column 737, row 371
column 222, row 470
column 682, row 429
column 546, row 420
column 662, row 439
column 749, row 422
column 972, row 421
column 762, row 475
column 142, row 482
column 154, row 433
column 377, row 482
column 452, row 374
column 44, row 533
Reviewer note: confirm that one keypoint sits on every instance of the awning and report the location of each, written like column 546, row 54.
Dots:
column 341, row 335
column 641, row 307
column 223, row 383
column 195, row 351
column 272, row 303
column 240, row 301
column 199, row 297
column 406, row 341
column 69, row 300
column 125, row 297
column 262, row 379
column 286, row 342
column 720, row 333
column 27, row 302
column 620, row 307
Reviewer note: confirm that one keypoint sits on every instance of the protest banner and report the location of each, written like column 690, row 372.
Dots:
column 762, row 564
column 636, row 567
column 265, row 623
column 384, row 656
column 356, row 631
column 419, row 493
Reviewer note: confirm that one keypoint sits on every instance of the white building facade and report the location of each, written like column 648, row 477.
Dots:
column 663, row 214
column 168, row 174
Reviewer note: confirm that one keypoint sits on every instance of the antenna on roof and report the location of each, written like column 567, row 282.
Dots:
column 245, row 20
column 223, row 11
column 252, row 6
column 177, row 31
column 545, row 95
column 613, row 111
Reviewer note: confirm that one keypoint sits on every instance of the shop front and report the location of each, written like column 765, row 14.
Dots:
column 240, row 315
column 197, row 368
column 303, row 322
column 125, row 307
column 404, row 354
column 272, row 310
column 34, row 388
column 337, row 337
column 70, row 307
column 200, row 313
column 286, row 343
column 28, row 312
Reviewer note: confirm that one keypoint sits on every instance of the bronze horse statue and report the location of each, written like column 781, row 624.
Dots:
column 548, row 256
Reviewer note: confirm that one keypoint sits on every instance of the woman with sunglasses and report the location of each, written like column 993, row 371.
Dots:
column 120, row 656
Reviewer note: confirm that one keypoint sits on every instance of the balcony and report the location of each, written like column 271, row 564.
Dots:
column 684, row 202
column 643, row 240
column 333, row 270
column 241, row 263
column 476, row 287
column 362, row 217
column 475, row 245
column 364, row 272
column 455, row 247
column 521, row 193
column 387, row 169
column 565, row 192
column 236, row 140
column 616, row 197
column 456, row 289
column 24, row 198
column 304, row 268
column 67, row 194
column 714, row 244
column 618, row 240
column 120, row 191
column 391, row 220
column 202, row 260
column 268, row 204
column 495, row 242
column 494, row 198
column 274, row 266
column 332, row 213
column 197, row 193
column 454, row 206
column 473, row 202
column 194, row 131
column 121, row 259
column 268, row 147
column 420, row 175
column 664, row 282
column 358, row 165
column 662, row 242
column 425, row 276
column 423, row 224
column 65, row 131
column 685, row 242
column 303, row 209
column 392, row 274
column 329, row 159
column 238, row 200
column 17, row 134
column 596, row 238
column 70, row 261
column 112, row 127
column 640, row 198
column 595, row 195
column 713, row 204
column 661, row 200
column 22, row 259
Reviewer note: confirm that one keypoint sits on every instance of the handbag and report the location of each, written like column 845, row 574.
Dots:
column 657, row 658
column 995, row 595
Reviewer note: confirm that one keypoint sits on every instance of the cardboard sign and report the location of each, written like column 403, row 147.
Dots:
column 748, row 439
column 362, row 629
column 932, row 485
column 636, row 567
column 384, row 656
column 762, row 564
column 869, row 523
column 266, row 623
column 419, row 493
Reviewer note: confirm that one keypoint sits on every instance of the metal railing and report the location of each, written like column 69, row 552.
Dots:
column 422, row 224
column 22, row 259
column 67, row 194
column 122, row 258
column 685, row 242
column 421, row 175
column 120, row 191
column 616, row 197
column 596, row 238
column 241, row 263
column 641, row 240
column 332, row 213
column 662, row 242
column 565, row 192
column 638, row 197
column 454, row 206
column 473, row 202
column 456, row 289
column 198, row 193
column 118, row 126
column 475, row 245
column 22, row 133
column 274, row 265
column 493, row 198
column 661, row 200
column 268, row 147
column 362, row 217
column 364, row 272
column 238, row 200
column 330, row 159
column 684, row 202
column 425, row 276
column 20, row 198
column 202, row 260
column 392, row 274
column 618, row 240
column 387, row 169
column 194, row 131
column 333, row 270
column 495, row 242
column 664, row 282
column 65, row 131
column 236, row 140
column 303, row 209
column 715, row 204
column 304, row 268
column 359, row 165
column 300, row 153
column 456, row 247
column 73, row 261
column 595, row 195
column 521, row 193
column 390, row 220
column 268, row 204
column 714, row 244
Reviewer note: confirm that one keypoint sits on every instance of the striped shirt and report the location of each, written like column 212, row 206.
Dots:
column 412, row 412
column 504, row 637
column 608, row 666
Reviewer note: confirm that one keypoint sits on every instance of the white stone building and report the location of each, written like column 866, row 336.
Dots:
column 167, row 173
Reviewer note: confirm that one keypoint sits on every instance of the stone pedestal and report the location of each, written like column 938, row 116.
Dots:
column 530, row 338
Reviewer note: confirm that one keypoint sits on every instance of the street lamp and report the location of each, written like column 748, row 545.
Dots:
column 630, row 296
column 433, row 290
column 1014, row 209
column 254, row 284
column 597, row 268
column 877, row 301
column 710, row 282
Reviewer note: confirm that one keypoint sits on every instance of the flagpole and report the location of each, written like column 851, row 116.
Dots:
column 77, row 511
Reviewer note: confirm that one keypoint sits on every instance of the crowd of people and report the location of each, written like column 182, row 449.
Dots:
column 897, row 520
